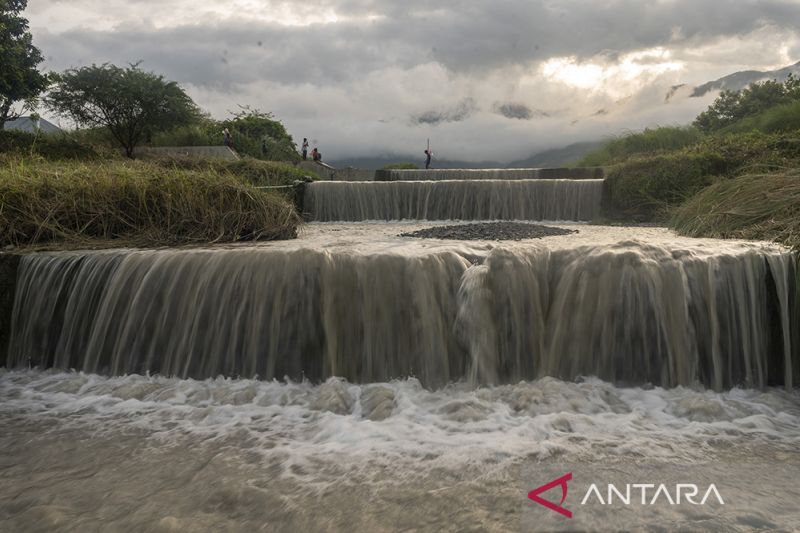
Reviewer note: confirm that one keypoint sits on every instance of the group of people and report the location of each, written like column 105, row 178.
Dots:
column 316, row 155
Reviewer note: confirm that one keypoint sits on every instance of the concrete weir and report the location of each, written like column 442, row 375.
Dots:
column 360, row 302
column 578, row 173
column 541, row 199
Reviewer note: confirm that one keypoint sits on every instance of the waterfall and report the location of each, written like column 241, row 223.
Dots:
column 630, row 313
column 576, row 200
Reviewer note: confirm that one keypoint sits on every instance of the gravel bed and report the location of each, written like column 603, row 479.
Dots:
column 489, row 231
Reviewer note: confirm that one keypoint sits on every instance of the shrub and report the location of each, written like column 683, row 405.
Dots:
column 779, row 119
column 646, row 189
column 254, row 133
column 50, row 146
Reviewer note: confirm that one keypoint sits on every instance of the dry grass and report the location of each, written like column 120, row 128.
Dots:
column 756, row 206
column 133, row 203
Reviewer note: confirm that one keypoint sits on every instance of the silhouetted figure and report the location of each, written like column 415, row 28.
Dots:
column 263, row 148
column 305, row 148
column 427, row 159
column 226, row 136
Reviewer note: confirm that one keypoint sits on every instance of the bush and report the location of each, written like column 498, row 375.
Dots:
column 646, row 189
column 754, row 206
column 743, row 152
column 135, row 202
column 255, row 134
column 779, row 119
column 50, row 146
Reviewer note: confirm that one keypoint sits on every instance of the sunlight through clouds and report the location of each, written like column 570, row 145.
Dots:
column 618, row 79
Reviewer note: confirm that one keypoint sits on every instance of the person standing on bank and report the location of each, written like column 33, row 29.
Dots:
column 428, row 159
column 305, row 148
column 226, row 137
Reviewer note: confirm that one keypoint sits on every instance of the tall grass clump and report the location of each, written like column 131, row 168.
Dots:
column 133, row 203
column 754, row 206
column 648, row 142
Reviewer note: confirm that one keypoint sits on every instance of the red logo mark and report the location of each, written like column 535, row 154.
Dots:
column 562, row 482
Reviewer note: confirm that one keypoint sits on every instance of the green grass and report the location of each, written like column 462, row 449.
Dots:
column 133, row 203
column 647, row 142
column 753, row 206
column 779, row 119
column 53, row 146
column 648, row 188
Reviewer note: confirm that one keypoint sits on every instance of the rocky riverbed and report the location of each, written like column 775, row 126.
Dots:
column 489, row 231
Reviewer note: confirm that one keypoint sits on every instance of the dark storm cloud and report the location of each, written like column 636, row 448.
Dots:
column 457, row 113
column 470, row 38
column 517, row 111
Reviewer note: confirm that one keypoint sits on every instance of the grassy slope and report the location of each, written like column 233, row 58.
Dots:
column 650, row 185
column 754, row 206
column 140, row 203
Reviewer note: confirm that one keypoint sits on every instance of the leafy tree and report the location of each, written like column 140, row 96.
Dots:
column 20, row 80
column 733, row 106
column 259, row 134
column 131, row 103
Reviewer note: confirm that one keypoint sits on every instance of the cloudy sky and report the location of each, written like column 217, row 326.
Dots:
column 484, row 80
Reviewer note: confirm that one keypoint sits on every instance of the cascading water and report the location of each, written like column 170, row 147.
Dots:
column 575, row 200
column 635, row 307
column 579, row 173
column 669, row 313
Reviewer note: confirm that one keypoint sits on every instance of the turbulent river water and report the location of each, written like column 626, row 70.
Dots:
column 627, row 345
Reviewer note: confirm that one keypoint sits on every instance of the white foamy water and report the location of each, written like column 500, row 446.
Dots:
column 305, row 450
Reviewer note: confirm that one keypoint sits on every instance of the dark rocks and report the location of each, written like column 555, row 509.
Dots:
column 489, row 231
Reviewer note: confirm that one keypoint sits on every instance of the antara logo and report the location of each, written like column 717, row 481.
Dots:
column 562, row 482
column 683, row 492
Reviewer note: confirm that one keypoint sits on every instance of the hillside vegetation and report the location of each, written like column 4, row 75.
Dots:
column 734, row 172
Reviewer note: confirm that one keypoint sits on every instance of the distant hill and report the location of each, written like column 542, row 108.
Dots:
column 558, row 157
column 739, row 80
